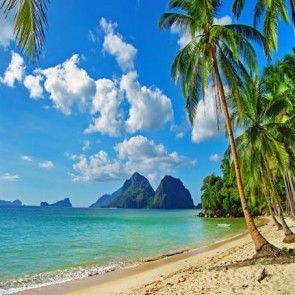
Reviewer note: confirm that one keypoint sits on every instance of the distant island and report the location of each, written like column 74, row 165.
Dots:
column 63, row 203
column 137, row 193
column 16, row 203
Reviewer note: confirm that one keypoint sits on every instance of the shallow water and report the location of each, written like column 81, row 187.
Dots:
column 41, row 246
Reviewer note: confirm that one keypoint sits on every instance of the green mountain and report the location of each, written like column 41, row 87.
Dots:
column 106, row 199
column 171, row 194
column 135, row 193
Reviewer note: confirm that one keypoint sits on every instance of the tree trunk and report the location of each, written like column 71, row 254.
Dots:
column 288, row 196
column 279, row 226
column 289, row 179
column 262, row 246
column 290, row 237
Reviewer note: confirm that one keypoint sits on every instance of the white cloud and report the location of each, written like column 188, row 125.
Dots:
column 184, row 38
column 180, row 130
column 46, row 165
column 106, row 102
column 15, row 71
column 9, row 177
column 86, row 145
column 205, row 124
column 214, row 158
column 97, row 167
column 150, row 108
column 114, row 45
column 136, row 154
column 6, row 32
column 92, row 36
column 26, row 158
column 68, row 85
column 224, row 20
column 143, row 154
column 32, row 83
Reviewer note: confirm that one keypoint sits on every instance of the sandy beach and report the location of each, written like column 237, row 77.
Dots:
column 211, row 270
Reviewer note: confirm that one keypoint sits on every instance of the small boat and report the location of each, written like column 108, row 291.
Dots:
column 224, row 224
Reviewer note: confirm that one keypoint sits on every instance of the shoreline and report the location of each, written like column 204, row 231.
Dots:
column 149, row 264
column 191, row 272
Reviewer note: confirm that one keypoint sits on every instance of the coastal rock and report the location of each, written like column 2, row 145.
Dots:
column 105, row 200
column 16, row 203
column 135, row 193
column 171, row 194
column 63, row 203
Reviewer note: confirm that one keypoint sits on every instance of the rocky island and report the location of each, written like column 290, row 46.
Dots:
column 16, row 203
column 63, row 203
column 137, row 192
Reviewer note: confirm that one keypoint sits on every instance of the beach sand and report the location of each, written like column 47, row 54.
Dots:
column 201, row 271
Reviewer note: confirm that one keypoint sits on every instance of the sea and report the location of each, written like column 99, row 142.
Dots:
column 44, row 246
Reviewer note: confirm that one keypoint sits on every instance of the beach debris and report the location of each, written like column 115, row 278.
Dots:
column 262, row 276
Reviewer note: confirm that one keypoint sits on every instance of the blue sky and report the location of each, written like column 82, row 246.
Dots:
column 100, row 105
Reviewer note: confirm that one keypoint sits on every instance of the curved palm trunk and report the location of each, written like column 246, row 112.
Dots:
column 289, row 205
column 279, row 226
column 262, row 246
column 290, row 237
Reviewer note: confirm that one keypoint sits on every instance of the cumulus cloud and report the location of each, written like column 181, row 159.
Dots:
column 26, row 158
column 114, row 45
column 15, row 71
column 9, row 177
column 141, row 153
column 214, row 158
column 69, row 85
column 136, row 154
column 106, row 102
column 205, row 124
column 97, row 167
column 46, row 165
column 150, row 108
column 32, row 83
column 6, row 32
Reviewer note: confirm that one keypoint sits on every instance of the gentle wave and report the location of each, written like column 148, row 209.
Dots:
column 12, row 286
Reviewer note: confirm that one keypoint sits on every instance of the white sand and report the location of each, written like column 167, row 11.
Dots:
column 192, row 273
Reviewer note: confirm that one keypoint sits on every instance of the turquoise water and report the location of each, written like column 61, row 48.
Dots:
column 40, row 246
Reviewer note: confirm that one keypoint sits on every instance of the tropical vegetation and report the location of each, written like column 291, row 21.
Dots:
column 265, row 147
column 218, row 55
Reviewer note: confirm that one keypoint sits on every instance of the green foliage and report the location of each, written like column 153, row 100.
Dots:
column 289, row 251
column 30, row 23
column 220, row 194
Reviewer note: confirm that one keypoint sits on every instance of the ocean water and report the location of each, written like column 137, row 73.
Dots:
column 42, row 246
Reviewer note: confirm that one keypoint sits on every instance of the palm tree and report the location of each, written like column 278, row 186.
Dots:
column 262, row 139
column 273, row 11
column 214, row 56
column 29, row 24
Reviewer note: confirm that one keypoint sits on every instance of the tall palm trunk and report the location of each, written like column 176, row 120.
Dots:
column 289, row 203
column 262, row 246
column 267, row 198
column 290, row 237
column 292, row 196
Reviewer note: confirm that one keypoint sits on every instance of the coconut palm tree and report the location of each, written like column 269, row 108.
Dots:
column 262, row 141
column 214, row 55
column 272, row 11
column 30, row 23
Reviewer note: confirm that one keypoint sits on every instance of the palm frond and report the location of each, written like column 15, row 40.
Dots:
column 29, row 25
